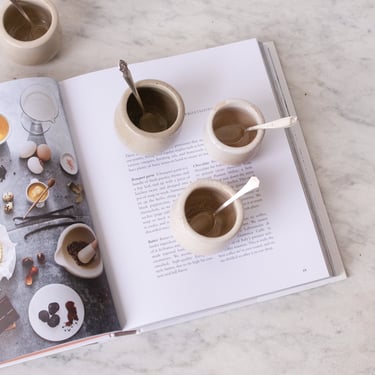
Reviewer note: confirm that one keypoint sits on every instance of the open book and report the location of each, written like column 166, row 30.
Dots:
column 140, row 278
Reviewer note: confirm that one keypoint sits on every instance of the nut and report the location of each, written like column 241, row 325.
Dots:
column 27, row 262
column 41, row 258
column 8, row 207
column 8, row 197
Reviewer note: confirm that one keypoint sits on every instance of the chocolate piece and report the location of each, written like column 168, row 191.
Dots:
column 72, row 313
column 41, row 258
column 8, row 315
column 43, row 316
column 53, row 308
column 54, row 321
column 27, row 262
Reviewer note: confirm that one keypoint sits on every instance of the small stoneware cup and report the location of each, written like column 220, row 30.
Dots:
column 167, row 111
column 224, row 136
column 200, row 198
column 25, row 44
column 33, row 191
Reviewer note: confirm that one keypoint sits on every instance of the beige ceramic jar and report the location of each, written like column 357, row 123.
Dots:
column 160, row 99
column 200, row 197
column 26, row 45
column 225, row 119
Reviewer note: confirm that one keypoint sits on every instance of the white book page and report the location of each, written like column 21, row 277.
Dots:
column 151, row 277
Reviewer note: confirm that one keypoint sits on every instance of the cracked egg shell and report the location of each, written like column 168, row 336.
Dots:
column 35, row 165
column 43, row 152
column 27, row 149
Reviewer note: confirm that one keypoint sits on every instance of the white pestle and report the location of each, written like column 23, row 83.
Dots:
column 88, row 252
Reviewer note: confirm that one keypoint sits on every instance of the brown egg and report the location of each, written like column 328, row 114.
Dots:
column 43, row 152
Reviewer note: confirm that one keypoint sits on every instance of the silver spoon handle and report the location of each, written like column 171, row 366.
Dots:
column 129, row 80
column 284, row 122
column 252, row 184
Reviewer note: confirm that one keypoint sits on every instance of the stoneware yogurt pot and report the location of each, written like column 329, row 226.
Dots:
column 200, row 196
column 233, row 113
column 159, row 98
column 18, row 44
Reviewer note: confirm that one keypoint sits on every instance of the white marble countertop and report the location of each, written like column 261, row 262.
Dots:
column 328, row 53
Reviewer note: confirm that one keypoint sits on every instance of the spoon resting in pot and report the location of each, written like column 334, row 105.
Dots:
column 150, row 121
column 232, row 134
column 204, row 221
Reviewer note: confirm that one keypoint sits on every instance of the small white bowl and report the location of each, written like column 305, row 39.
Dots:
column 68, row 163
column 77, row 232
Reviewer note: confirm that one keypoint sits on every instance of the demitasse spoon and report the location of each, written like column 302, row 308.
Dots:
column 203, row 222
column 149, row 121
column 233, row 134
